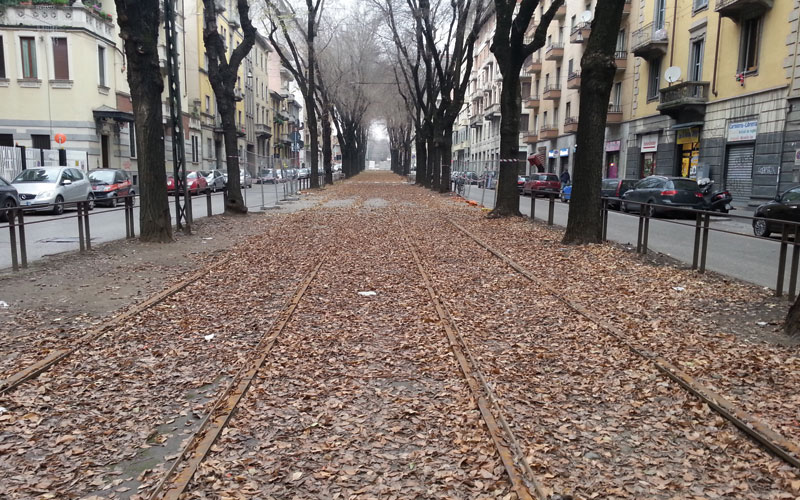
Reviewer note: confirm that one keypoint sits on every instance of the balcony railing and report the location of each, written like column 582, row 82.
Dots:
column 262, row 129
column 574, row 81
column 734, row 9
column 530, row 137
column 548, row 131
column 614, row 113
column 552, row 92
column 554, row 52
column 532, row 64
column 532, row 102
column 492, row 111
column 626, row 9
column 621, row 59
column 476, row 120
column 571, row 125
column 62, row 16
column 685, row 101
column 650, row 41
column 580, row 33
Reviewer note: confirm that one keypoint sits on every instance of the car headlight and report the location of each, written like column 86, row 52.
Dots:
column 46, row 194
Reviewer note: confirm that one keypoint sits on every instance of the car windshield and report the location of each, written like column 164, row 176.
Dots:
column 102, row 177
column 191, row 175
column 38, row 175
column 684, row 184
column 204, row 173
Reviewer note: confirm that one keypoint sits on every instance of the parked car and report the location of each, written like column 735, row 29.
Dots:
column 49, row 188
column 266, row 176
column 109, row 184
column 470, row 178
column 215, row 179
column 195, row 180
column 615, row 188
column 543, row 183
column 8, row 198
column 784, row 207
column 488, row 179
column 521, row 180
column 304, row 173
column 245, row 179
column 664, row 193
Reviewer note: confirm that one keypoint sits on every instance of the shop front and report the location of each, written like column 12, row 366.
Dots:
column 739, row 158
column 612, row 159
column 649, row 148
column 688, row 146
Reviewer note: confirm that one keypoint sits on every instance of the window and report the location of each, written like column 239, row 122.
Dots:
column 101, row 66
column 208, row 147
column 654, row 79
column 621, row 41
column 208, row 104
column 660, row 16
column 28, row 49
column 616, row 95
column 132, row 138
column 700, row 4
column 696, row 60
column 40, row 141
column 6, row 140
column 568, row 110
column 2, row 60
column 523, row 123
column 60, row 59
column 195, row 149
column 570, row 66
column 751, row 38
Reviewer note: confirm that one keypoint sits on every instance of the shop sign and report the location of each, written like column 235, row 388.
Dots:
column 743, row 131
column 613, row 145
column 650, row 143
column 688, row 135
column 563, row 152
column 553, row 153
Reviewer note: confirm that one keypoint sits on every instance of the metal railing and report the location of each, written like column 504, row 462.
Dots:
column 684, row 93
column 649, row 34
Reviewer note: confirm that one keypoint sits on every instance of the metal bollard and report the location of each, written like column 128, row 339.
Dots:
column 604, row 234
column 533, row 207
column 208, row 203
column 81, row 239
column 704, row 249
column 127, row 204
column 640, row 232
column 12, row 236
column 795, row 259
column 646, row 234
column 86, row 228
column 782, row 261
column 696, row 254
column 23, row 249
column 552, row 209
column 275, row 183
column 130, row 214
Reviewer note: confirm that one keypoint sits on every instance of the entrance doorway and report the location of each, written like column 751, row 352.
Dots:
column 739, row 170
column 612, row 165
column 104, row 149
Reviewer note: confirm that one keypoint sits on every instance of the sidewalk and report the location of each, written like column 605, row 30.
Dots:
column 410, row 362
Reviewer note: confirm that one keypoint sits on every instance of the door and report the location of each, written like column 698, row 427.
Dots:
column 739, row 170
column 104, row 148
column 70, row 189
column 80, row 185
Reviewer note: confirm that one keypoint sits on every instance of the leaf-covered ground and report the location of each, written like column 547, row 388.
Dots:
column 361, row 396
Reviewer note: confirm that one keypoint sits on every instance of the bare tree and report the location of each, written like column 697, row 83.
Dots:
column 510, row 49
column 223, row 74
column 139, row 22
column 285, row 39
column 585, row 222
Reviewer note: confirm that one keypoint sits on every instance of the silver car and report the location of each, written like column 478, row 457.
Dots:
column 49, row 188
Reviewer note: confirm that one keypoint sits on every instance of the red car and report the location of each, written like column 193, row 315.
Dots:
column 521, row 180
column 541, row 183
column 197, row 183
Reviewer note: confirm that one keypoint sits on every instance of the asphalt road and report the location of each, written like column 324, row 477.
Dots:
column 46, row 234
column 738, row 255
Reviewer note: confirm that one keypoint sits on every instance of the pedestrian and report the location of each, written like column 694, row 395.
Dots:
column 564, row 177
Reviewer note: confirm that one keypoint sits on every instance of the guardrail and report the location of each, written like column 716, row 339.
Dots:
column 17, row 223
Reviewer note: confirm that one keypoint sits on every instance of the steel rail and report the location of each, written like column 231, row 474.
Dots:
column 178, row 477
column 15, row 380
column 522, row 477
column 780, row 446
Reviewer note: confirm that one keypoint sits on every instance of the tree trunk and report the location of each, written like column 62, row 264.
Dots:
column 395, row 160
column 422, row 160
column 227, row 111
column 406, row 159
column 446, row 156
column 139, row 26
column 327, row 153
column 791, row 326
column 311, row 112
column 430, row 146
column 510, row 104
column 585, row 221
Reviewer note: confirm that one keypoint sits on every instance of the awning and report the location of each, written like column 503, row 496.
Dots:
column 108, row 113
column 536, row 160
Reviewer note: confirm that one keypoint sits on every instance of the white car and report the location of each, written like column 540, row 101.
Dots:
column 49, row 188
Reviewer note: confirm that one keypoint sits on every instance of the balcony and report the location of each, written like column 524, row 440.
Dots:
column 685, row 101
column 532, row 102
column 524, row 76
column 492, row 111
column 621, row 59
column 285, row 139
column 64, row 17
column 476, row 121
column 737, row 9
column 580, row 33
column 574, row 81
column 649, row 42
column 561, row 13
column 571, row 125
column 263, row 130
column 555, row 52
column 552, row 92
column 614, row 114
column 530, row 137
column 547, row 132
column 626, row 9
column 532, row 64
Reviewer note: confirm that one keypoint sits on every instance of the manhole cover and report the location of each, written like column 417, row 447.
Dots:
column 62, row 239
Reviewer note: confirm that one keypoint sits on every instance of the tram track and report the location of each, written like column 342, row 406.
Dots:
column 57, row 356
column 758, row 431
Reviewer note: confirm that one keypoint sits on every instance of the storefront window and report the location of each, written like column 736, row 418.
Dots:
column 648, row 164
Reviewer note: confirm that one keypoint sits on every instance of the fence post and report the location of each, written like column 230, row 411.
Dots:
column 127, row 205
column 641, row 231
column 551, row 209
column 86, row 228
column 81, row 239
column 12, row 236
column 795, row 258
column 704, row 250
column 23, row 249
column 646, row 233
column 130, row 214
column 782, row 261
column 696, row 254
column 604, row 235
column 208, row 203
column 533, row 207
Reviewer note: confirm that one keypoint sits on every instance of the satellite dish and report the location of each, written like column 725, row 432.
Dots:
column 587, row 16
column 672, row 74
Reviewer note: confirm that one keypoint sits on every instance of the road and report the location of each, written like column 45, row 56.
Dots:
column 47, row 234
column 754, row 260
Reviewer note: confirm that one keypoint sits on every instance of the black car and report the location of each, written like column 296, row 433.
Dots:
column 664, row 194
column 8, row 198
column 109, row 184
column 784, row 207
column 615, row 188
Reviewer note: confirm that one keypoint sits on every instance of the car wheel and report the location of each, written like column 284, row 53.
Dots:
column 650, row 210
column 58, row 206
column 760, row 228
column 90, row 199
column 9, row 203
column 113, row 202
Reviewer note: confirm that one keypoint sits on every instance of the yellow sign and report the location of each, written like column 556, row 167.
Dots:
column 688, row 135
